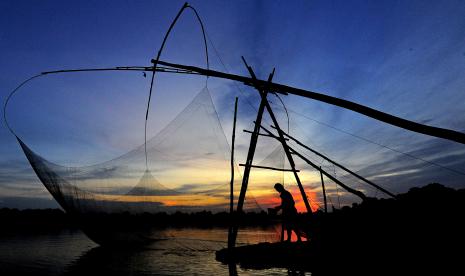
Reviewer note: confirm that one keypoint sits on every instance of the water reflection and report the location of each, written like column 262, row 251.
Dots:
column 183, row 252
column 167, row 257
column 106, row 261
column 110, row 261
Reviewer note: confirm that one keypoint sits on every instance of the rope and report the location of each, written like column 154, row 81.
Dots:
column 381, row 145
column 285, row 109
column 338, row 198
column 234, row 83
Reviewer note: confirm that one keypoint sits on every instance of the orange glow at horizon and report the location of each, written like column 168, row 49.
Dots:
column 273, row 199
column 260, row 189
column 170, row 201
column 265, row 199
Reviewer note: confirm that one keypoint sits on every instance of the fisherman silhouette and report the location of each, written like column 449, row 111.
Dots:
column 289, row 212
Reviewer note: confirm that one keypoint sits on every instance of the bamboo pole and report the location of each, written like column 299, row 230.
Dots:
column 443, row 133
column 270, row 168
column 448, row 134
column 231, row 205
column 250, row 156
column 231, row 197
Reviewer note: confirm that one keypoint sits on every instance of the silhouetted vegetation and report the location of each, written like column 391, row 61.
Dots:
column 31, row 220
column 34, row 220
column 420, row 230
column 433, row 204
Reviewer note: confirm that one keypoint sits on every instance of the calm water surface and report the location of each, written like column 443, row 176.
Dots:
column 184, row 252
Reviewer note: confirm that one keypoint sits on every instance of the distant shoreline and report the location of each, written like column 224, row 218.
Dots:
column 425, row 201
column 30, row 220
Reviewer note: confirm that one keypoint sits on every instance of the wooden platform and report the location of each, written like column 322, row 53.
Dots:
column 296, row 255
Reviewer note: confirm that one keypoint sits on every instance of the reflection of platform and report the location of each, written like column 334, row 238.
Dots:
column 296, row 255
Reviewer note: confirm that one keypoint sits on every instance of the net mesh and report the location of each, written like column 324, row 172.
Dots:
column 188, row 170
column 188, row 166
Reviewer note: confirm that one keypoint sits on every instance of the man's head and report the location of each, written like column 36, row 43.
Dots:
column 279, row 187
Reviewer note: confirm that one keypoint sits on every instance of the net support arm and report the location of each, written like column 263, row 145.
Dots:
column 339, row 165
column 347, row 188
column 448, row 134
column 124, row 68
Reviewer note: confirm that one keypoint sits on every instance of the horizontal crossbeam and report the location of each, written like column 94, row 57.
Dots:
column 263, row 134
column 269, row 168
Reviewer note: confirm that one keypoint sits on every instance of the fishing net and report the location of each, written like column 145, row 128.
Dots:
column 187, row 170
column 187, row 166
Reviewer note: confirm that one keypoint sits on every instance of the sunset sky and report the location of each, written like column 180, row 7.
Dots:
column 406, row 58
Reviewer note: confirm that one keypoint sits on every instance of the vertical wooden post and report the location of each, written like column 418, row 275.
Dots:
column 324, row 191
column 231, row 197
column 250, row 155
column 231, row 203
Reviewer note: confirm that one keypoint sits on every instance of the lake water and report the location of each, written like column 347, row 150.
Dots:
column 187, row 251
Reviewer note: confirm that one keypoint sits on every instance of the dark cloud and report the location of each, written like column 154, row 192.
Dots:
column 401, row 172
column 27, row 203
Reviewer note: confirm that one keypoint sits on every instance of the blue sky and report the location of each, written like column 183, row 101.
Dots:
column 406, row 58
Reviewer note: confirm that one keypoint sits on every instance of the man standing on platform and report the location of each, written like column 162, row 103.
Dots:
column 289, row 212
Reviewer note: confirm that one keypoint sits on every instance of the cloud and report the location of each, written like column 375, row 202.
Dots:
column 28, row 203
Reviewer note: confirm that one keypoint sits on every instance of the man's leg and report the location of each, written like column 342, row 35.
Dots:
column 294, row 226
column 297, row 232
column 282, row 231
